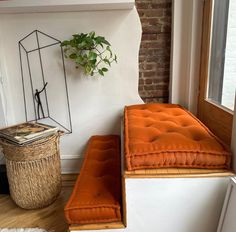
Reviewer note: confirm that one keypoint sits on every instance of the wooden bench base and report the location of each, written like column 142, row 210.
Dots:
column 177, row 173
column 97, row 226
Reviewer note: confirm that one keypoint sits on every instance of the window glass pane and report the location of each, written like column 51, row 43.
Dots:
column 229, row 82
column 222, row 72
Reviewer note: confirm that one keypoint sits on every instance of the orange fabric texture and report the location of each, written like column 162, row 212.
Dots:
column 167, row 135
column 96, row 196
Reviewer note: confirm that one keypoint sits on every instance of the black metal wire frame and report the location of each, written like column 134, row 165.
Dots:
column 68, row 130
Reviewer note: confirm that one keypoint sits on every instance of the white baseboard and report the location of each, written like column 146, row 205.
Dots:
column 70, row 164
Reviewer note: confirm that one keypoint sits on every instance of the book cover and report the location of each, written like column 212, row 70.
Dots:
column 26, row 132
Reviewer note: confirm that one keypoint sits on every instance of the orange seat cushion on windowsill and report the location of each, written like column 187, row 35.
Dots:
column 167, row 135
column 96, row 196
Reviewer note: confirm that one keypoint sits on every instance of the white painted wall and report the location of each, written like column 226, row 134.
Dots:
column 185, row 54
column 3, row 121
column 96, row 103
column 2, row 124
column 4, row 83
column 229, row 83
column 2, row 113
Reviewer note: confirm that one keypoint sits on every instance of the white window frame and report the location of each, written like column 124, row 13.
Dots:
column 229, row 195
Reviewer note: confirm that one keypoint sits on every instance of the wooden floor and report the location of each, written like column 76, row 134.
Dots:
column 50, row 218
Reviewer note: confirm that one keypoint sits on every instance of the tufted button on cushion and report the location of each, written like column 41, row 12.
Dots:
column 167, row 135
column 96, row 196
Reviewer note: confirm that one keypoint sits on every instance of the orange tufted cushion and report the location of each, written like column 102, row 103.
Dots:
column 166, row 135
column 97, row 193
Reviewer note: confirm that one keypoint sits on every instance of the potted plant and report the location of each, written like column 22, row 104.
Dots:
column 90, row 52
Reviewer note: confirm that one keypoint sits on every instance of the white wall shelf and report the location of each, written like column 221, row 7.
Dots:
column 38, row 6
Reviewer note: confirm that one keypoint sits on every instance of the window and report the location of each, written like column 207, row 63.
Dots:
column 218, row 66
column 222, row 63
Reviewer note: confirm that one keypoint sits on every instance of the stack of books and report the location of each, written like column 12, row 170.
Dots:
column 26, row 133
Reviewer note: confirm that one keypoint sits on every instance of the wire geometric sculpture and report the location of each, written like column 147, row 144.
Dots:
column 45, row 95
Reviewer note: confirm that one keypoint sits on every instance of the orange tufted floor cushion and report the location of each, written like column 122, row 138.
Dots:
column 96, row 195
column 167, row 135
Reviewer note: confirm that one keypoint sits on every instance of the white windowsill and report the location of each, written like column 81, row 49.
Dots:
column 38, row 6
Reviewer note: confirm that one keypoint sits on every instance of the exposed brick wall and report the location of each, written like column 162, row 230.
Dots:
column 154, row 56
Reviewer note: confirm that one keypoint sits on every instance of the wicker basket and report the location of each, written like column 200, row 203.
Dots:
column 34, row 172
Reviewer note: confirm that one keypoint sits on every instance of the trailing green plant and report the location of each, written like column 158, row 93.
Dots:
column 90, row 52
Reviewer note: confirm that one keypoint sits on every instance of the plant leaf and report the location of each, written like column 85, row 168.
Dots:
column 92, row 55
column 106, row 42
column 92, row 34
column 107, row 61
column 79, row 60
column 88, row 69
column 100, row 72
column 109, row 50
column 93, row 62
column 65, row 43
column 104, row 69
column 73, row 56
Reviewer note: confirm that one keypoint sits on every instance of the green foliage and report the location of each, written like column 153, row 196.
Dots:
column 90, row 52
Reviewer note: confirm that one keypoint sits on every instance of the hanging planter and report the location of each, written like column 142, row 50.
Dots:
column 91, row 53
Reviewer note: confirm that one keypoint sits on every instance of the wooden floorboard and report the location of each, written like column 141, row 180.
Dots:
column 50, row 218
